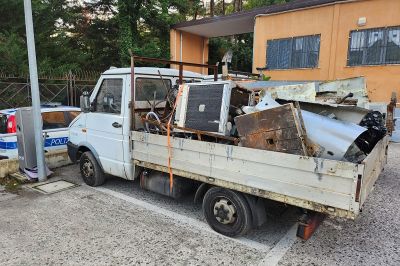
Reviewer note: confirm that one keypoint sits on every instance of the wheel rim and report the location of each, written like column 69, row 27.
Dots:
column 225, row 211
column 87, row 169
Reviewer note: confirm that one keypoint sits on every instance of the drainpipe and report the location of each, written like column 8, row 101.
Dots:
column 181, row 46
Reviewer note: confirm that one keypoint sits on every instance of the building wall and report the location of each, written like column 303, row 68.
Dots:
column 194, row 49
column 334, row 23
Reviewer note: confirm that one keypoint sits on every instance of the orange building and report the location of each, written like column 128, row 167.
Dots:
column 309, row 40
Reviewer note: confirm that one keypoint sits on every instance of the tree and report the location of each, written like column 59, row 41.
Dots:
column 241, row 45
column 212, row 5
column 95, row 34
column 144, row 25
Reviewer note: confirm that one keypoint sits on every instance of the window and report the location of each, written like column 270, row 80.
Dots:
column 108, row 99
column 374, row 47
column 147, row 88
column 71, row 115
column 298, row 52
column 3, row 123
column 53, row 120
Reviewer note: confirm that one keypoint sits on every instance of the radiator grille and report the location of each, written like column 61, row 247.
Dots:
column 204, row 107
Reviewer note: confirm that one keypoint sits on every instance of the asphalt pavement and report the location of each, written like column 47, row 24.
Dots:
column 121, row 224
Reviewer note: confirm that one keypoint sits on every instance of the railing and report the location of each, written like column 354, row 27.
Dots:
column 66, row 89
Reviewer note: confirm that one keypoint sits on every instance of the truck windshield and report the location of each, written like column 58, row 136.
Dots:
column 146, row 87
column 3, row 123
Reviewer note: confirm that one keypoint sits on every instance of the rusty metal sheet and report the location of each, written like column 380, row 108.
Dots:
column 275, row 129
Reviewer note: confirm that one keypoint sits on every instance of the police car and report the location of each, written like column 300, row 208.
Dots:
column 56, row 120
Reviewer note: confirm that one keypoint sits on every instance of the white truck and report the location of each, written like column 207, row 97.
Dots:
column 231, row 181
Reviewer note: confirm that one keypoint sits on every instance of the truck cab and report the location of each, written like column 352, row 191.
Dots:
column 105, row 129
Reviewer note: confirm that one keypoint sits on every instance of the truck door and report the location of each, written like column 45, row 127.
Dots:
column 104, row 124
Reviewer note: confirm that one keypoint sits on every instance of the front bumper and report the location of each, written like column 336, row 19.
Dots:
column 72, row 151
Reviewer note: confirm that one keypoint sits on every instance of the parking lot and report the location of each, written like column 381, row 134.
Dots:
column 119, row 223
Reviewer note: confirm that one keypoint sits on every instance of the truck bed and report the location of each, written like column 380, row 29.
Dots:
column 327, row 186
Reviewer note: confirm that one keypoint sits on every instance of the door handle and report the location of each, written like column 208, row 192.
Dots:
column 116, row 125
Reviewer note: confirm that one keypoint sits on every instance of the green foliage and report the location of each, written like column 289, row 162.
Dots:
column 250, row 4
column 12, row 53
column 241, row 45
column 265, row 78
column 242, row 49
column 96, row 34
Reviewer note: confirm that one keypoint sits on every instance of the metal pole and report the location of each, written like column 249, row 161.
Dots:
column 133, row 92
column 37, row 116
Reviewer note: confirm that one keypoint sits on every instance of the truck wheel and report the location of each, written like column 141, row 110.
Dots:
column 227, row 211
column 90, row 170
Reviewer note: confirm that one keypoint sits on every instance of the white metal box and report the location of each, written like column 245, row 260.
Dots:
column 204, row 106
column 25, row 138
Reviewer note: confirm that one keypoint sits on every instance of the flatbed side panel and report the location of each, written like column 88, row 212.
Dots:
column 326, row 182
column 253, row 191
column 373, row 166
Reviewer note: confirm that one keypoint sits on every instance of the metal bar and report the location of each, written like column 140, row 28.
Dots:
column 37, row 116
column 171, row 104
column 68, row 102
column 390, row 113
column 195, row 131
column 133, row 96
column 180, row 74
column 307, row 149
column 71, row 95
column 164, row 61
column 15, row 94
column 243, row 73
column 58, row 93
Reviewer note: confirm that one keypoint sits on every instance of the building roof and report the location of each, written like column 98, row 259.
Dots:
column 243, row 22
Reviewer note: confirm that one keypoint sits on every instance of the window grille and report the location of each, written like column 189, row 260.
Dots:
column 297, row 52
column 377, row 46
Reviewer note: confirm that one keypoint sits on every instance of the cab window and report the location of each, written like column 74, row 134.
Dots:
column 72, row 115
column 53, row 120
column 148, row 89
column 109, row 97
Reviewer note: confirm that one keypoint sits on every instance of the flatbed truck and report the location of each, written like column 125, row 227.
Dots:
column 231, row 181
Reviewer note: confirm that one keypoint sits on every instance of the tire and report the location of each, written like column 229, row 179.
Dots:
column 227, row 212
column 90, row 170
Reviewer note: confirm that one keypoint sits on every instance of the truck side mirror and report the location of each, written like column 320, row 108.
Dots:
column 85, row 102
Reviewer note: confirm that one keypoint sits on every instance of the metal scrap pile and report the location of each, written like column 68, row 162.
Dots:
column 328, row 120
column 337, row 123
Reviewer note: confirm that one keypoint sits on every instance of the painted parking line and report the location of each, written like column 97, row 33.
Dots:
column 181, row 218
column 279, row 250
